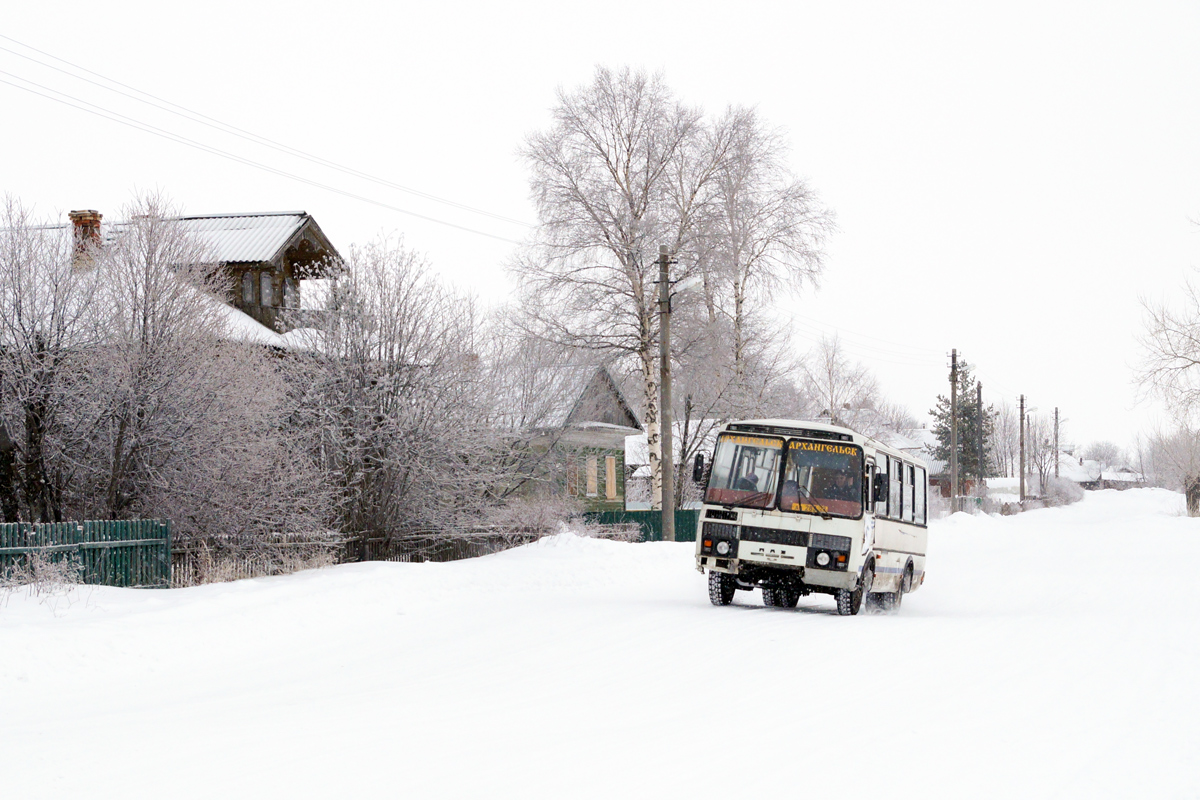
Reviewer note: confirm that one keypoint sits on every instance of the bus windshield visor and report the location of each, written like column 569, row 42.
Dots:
column 823, row 478
column 745, row 471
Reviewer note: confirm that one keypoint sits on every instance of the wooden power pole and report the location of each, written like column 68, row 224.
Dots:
column 1056, row 450
column 954, row 430
column 982, row 473
column 667, row 460
column 1022, row 448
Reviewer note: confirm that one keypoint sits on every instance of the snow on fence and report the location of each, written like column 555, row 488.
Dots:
column 106, row 552
column 141, row 553
column 226, row 558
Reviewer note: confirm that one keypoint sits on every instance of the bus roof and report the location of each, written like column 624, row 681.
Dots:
column 809, row 429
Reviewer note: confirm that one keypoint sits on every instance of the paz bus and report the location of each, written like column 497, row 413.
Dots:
column 795, row 508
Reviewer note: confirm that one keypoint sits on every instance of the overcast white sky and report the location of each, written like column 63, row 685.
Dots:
column 1008, row 180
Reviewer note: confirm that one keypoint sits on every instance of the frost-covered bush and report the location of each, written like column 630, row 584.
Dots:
column 41, row 575
column 1061, row 492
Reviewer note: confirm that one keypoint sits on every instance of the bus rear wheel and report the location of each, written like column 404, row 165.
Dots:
column 787, row 598
column 770, row 600
column 721, row 587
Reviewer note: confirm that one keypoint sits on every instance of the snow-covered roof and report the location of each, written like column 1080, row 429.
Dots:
column 238, row 238
column 1078, row 470
column 1122, row 476
column 241, row 327
column 550, row 398
column 235, row 238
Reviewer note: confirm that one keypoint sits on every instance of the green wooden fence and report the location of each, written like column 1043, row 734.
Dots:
column 650, row 522
column 108, row 552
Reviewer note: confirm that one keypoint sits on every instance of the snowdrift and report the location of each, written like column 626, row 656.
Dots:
column 1050, row 654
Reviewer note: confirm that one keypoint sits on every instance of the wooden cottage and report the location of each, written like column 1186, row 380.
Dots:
column 579, row 417
column 266, row 255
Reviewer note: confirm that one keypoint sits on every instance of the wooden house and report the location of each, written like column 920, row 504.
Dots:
column 577, row 418
column 266, row 255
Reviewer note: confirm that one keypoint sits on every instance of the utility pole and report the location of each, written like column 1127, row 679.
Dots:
column 1022, row 448
column 979, row 408
column 667, row 462
column 1056, row 450
column 954, row 430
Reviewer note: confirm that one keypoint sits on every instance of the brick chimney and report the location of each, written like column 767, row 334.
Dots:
column 86, row 226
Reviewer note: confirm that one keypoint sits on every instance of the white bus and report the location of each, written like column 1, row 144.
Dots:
column 795, row 507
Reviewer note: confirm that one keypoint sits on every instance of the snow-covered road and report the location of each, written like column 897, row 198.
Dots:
column 1053, row 654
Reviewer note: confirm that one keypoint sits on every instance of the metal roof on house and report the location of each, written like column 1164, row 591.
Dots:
column 246, row 237
column 236, row 238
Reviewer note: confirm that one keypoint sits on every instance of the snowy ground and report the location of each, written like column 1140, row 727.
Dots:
column 1052, row 654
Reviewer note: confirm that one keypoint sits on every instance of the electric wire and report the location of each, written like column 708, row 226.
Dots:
column 895, row 353
column 216, row 124
column 114, row 116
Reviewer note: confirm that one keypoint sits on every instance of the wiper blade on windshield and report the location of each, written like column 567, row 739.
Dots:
column 820, row 509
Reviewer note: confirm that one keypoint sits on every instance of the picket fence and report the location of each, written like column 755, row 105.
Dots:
column 108, row 552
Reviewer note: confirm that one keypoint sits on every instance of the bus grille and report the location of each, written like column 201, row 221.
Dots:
column 718, row 531
column 773, row 536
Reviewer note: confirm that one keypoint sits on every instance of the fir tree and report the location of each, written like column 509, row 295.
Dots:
column 970, row 418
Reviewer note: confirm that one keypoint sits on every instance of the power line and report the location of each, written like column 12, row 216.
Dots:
column 114, row 116
column 216, row 124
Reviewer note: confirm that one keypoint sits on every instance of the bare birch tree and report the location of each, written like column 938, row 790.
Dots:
column 621, row 171
column 1006, row 442
column 1170, row 367
column 846, row 390
column 764, row 229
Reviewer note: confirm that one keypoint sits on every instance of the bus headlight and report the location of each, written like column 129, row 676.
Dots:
column 723, row 548
column 822, row 559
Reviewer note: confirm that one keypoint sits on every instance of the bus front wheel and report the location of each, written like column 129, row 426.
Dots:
column 721, row 587
column 849, row 601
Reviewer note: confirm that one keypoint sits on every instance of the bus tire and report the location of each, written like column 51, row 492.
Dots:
column 850, row 601
column 889, row 602
column 721, row 587
column 906, row 583
column 770, row 600
column 787, row 598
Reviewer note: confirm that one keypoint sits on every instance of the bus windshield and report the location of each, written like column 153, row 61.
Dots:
column 823, row 478
column 745, row 471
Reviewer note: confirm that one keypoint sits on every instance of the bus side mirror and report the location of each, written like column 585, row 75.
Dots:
column 880, row 488
column 698, row 469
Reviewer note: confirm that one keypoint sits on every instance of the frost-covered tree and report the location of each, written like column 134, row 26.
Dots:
column 619, row 172
column 763, row 228
column 181, row 420
column 844, row 390
column 127, row 395
column 1106, row 453
column 395, row 397
column 1005, row 440
column 47, row 330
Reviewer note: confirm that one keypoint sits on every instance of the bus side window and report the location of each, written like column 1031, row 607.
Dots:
column 909, row 473
column 919, row 504
column 881, row 506
column 894, row 508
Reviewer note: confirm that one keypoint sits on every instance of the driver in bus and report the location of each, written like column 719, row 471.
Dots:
column 843, row 487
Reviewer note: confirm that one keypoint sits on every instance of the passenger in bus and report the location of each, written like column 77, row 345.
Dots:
column 843, row 487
